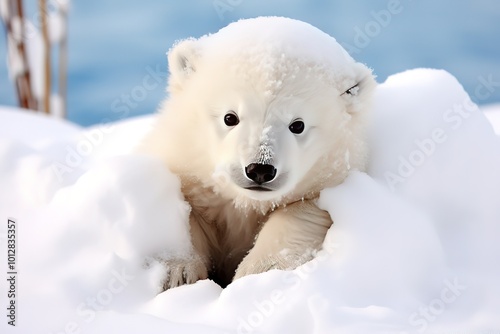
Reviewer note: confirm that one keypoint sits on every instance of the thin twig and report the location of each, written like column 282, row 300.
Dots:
column 42, row 6
column 63, row 63
column 22, row 80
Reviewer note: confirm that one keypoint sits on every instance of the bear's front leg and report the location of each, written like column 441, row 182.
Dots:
column 288, row 239
column 192, row 267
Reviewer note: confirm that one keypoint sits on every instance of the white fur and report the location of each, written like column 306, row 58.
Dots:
column 268, row 86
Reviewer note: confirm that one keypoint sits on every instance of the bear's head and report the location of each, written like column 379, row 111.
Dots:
column 267, row 110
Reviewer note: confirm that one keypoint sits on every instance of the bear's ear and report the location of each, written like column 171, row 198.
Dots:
column 358, row 96
column 181, row 62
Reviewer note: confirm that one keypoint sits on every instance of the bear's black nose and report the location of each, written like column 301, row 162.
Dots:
column 260, row 173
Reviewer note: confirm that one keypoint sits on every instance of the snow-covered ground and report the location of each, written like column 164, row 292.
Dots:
column 415, row 245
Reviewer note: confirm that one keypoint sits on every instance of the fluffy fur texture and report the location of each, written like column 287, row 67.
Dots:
column 267, row 81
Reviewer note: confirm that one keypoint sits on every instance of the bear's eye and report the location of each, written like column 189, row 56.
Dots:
column 230, row 119
column 353, row 90
column 297, row 127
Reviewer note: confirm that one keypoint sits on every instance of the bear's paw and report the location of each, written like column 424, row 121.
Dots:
column 256, row 265
column 181, row 271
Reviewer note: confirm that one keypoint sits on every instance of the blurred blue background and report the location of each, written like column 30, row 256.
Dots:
column 115, row 44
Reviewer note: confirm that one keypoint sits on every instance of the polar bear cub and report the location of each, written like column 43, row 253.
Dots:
column 261, row 116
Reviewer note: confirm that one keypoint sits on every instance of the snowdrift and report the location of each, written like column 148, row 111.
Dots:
column 415, row 245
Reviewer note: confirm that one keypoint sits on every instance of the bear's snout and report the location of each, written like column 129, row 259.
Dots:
column 260, row 173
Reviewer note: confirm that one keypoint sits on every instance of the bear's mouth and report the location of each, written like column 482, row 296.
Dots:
column 258, row 188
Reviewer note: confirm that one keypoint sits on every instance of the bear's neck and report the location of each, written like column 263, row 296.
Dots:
column 220, row 211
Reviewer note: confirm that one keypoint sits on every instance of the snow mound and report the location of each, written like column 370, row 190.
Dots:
column 415, row 245
column 492, row 112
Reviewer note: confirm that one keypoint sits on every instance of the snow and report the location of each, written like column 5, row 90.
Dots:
column 34, row 50
column 57, row 27
column 64, row 5
column 57, row 21
column 4, row 10
column 297, row 40
column 492, row 112
column 17, row 26
column 15, row 62
column 414, row 246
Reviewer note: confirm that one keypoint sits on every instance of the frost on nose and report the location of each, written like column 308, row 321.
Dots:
column 265, row 155
column 265, row 152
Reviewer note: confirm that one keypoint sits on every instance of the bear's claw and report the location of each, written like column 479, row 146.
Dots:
column 182, row 271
